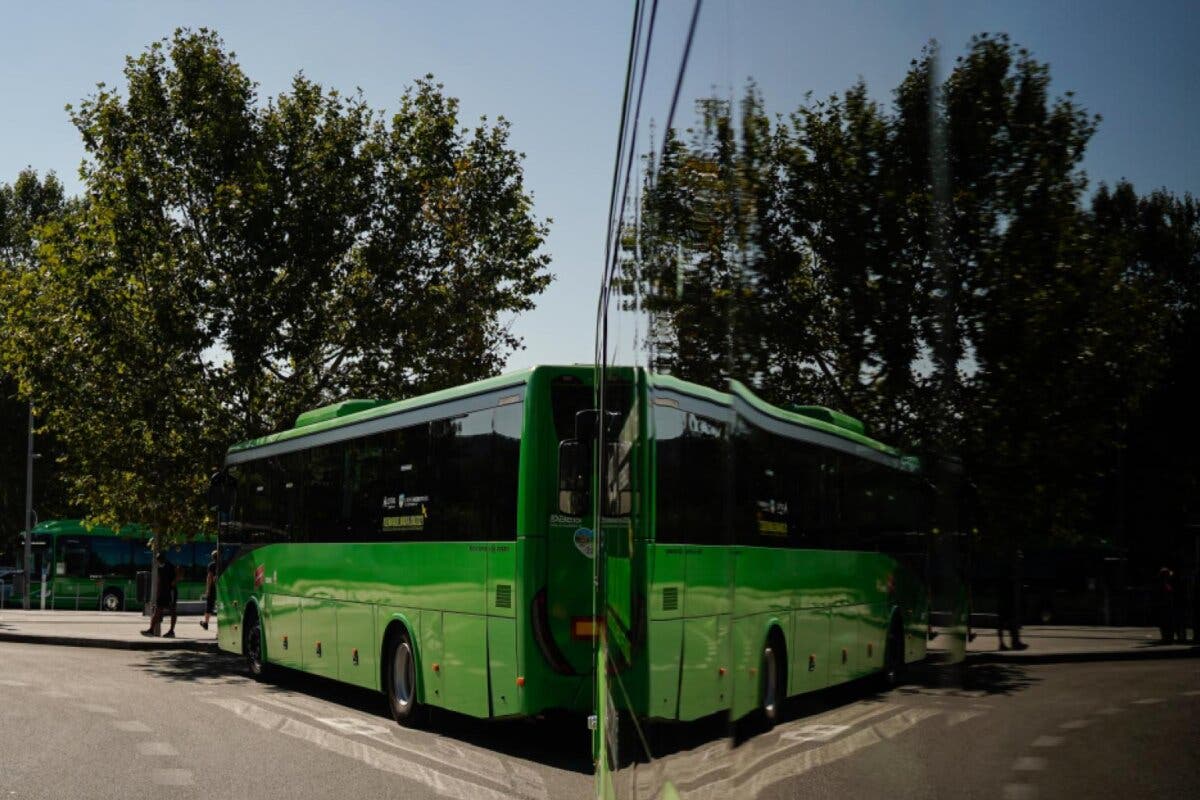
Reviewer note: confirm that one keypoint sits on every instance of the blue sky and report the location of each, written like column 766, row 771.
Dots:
column 555, row 69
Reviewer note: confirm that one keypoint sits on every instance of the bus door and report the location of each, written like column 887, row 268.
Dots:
column 43, row 564
column 74, row 588
column 573, row 614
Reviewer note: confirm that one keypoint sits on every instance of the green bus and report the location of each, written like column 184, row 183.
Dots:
column 441, row 549
column 97, row 567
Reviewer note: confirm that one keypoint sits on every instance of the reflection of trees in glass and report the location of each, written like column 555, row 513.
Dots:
column 954, row 284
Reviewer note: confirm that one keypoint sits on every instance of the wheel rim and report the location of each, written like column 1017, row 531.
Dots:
column 770, row 681
column 254, row 647
column 110, row 602
column 403, row 675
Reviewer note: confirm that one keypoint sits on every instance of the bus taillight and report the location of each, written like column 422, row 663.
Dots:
column 585, row 628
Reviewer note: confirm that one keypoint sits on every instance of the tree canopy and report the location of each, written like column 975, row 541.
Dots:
column 235, row 261
column 939, row 267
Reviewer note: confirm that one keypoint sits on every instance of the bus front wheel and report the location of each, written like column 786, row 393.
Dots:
column 252, row 646
column 400, row 681
column 110, row 600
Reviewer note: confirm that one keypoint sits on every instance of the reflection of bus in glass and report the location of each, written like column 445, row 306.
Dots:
column 440, row 549
column 769, row 552
column 97, row 567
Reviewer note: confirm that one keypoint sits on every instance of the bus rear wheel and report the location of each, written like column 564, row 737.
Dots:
column 400, row 681
column 771, row 672
column 893, row 658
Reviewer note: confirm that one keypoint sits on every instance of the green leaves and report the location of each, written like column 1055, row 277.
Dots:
column 235, row 262
column 933, row 267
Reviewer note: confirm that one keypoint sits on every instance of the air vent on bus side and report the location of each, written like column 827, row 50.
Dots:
column 503, row 595
column 670, row 598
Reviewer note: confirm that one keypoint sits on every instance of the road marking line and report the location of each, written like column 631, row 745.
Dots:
column 132, row 726
column 815, row 732
column 359, row 751
column 1020, row 791
column 57, row 693
column 1076, row 724
column 16, row 684
column 1147, row 701
column 172, row 777
column 95, row 709
column 157, row 749
column 751, row 782
column 853, row 714
column 1029, row 764
column 473, row 762
column 893, row 726
column 1048, row 741
column 958, row 717
column 1195, row 693
column 753, row 778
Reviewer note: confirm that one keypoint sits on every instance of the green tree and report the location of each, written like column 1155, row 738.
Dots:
column 235, row 262
column 938, row 268
column 26, row 204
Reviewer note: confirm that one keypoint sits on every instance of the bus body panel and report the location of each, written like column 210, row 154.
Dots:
column 504, row 693
column 318, row 626
column 356, row 644
column 464, row 663
column 809, row 651
column 686, row 620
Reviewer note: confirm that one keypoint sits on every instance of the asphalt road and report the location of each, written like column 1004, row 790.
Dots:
column 92, row 723
column 1126, row 729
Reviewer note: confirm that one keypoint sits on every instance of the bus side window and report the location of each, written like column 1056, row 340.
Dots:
column 460, row 507
column 323, row 493
column 73, row 557
column 109, row 556
column 692, row 485
column 507, row 467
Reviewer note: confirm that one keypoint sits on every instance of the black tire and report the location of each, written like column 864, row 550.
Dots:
column 400, row 681
column 111, row 600
column 893, row 658
column 252, row 647
column 770, row 698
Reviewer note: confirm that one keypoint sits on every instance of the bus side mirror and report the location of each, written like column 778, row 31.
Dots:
column 222, row 492
column 572, row 478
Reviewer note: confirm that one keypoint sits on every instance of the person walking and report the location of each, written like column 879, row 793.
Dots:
column 1165, row 605
column 210, row 590
column 168, row 595
column 1008, row 613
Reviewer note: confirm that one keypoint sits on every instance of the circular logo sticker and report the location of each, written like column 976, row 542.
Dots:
column 584, row 539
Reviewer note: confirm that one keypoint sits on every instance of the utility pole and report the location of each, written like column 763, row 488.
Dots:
column 29, row 513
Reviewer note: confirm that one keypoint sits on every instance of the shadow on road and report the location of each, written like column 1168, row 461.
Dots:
column 559, row 740
column 976, row 680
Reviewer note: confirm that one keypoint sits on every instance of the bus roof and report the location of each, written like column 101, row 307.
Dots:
column 75, row 527
column 328, row 417
column 814, row 417
column 353, row 411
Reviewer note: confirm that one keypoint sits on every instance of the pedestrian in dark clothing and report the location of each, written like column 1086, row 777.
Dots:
column 210, row 590
column 166, row 599
column 1007, row 614
column 1165, row 605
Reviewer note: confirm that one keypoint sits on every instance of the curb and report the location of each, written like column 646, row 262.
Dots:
column 110, row 644
column 1082, row 656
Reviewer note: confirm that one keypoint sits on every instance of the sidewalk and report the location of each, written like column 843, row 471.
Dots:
column 1063, row 643
column 119, row 630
